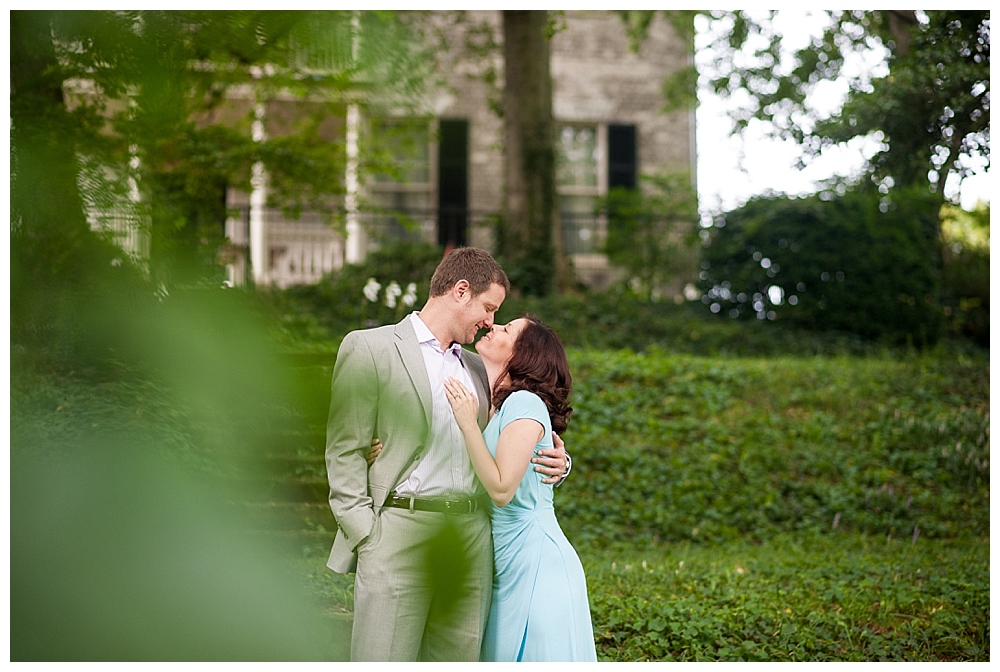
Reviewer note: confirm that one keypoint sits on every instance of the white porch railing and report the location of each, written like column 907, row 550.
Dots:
column 303, row 250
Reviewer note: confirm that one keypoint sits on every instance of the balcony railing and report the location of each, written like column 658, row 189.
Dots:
column 303, row 250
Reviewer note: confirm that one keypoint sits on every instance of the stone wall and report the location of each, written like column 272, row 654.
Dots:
column 596, row 79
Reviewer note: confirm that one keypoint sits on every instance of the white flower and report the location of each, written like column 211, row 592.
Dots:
column 410, row 297
column 391, row 292
column 371, row 290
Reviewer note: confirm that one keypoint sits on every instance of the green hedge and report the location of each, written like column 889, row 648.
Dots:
column 670, row 448
column 314, row 318
column 862, row 263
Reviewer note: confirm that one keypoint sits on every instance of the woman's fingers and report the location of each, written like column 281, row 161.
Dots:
column 454, row 384
column 461, row 400
column 455, row 390
column 374, row 451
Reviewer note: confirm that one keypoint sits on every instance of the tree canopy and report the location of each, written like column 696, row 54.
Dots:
column 111, row 106
column 843, row 264
column 928, row 108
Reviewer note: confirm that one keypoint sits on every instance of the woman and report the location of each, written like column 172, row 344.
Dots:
column 539, row 610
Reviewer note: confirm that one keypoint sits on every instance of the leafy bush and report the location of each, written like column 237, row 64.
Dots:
column 966, row 248
column 860, row 263
column 311, row 316
column 670, row 448
column 619, row 319
column 651, row 232
column 316, row 317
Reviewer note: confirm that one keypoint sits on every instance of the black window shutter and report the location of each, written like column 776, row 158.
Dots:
column 453, row 181
column 621, row 156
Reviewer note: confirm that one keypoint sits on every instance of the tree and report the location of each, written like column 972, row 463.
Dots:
column 930, row 108
column 47, row 215
column 842, row 264
column 131, row 115
column 531, row 242
column 932, row 111
column 141, row 102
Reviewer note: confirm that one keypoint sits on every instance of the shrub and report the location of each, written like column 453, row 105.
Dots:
column 321, row 314
column 670, row 448
column 861, row 263
column 966, row 247
column 651, row 231
column 619, row 318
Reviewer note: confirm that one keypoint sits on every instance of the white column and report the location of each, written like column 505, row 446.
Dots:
column 353, row 252
column 258, row 198
column 137, row 232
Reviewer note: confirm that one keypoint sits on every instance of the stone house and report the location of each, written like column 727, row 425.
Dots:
column 606, row 103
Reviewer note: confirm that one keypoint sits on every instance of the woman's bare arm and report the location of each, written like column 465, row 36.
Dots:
column 502, row 476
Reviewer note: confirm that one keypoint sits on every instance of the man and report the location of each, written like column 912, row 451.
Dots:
column 388, row 383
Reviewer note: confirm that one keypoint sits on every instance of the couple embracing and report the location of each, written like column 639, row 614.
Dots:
column 425, row 436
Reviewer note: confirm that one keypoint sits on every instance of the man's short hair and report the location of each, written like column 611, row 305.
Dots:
column 471, row 264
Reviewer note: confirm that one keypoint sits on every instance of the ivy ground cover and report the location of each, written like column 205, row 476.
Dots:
column 839, row 597
column 775, row 509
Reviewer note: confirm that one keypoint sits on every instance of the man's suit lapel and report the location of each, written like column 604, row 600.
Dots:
column 413, row 362
column 479, row 380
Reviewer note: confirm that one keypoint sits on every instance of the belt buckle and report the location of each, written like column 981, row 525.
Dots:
column 403, row 502
column 449, row 505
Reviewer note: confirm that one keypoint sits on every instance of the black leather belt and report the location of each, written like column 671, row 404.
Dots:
column 437, row 505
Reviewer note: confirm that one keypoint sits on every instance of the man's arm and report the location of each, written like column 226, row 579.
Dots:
column 554, row 462
column 353, row 412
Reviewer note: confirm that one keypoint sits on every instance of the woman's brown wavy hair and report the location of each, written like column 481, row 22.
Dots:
column 538, row 364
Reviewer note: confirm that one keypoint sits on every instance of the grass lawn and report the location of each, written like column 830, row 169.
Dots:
column 757, row 509
column 793, row 598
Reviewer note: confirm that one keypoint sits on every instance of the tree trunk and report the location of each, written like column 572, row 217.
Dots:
column 531, row 242
column 902, row 25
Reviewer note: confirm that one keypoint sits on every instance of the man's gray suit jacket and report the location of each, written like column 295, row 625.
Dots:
column 379, row 389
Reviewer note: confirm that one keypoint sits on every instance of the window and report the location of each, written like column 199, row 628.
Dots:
column 583, row 175
column 578, row 180
column 579, row 157
column 401, row 194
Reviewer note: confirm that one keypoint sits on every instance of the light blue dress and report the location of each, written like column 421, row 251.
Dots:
column 539, row 610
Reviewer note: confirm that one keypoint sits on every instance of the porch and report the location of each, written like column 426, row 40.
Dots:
column 267, row 247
